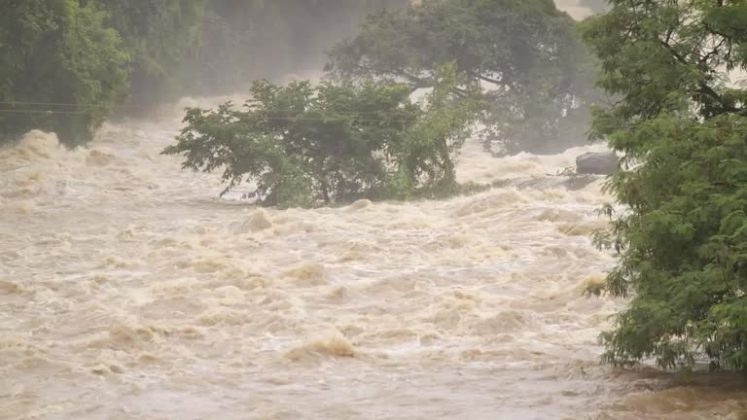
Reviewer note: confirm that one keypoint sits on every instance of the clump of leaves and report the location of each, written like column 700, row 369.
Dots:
column 303, row 145
column 684, row 245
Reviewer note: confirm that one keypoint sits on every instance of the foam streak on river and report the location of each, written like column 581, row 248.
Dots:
column 129, row 290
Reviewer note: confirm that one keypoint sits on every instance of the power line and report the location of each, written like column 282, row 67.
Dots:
column 287, row 115
column 337, row 116
column 274, row 115
column 32, row 111
column 60, row 104
column 236, row 107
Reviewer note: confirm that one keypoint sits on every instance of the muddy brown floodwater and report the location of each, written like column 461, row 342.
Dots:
column 129, row 290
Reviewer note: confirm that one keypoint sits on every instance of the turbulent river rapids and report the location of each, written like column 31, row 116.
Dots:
column 128, row 289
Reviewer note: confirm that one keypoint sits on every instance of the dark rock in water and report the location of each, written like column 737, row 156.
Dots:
column 597, row 163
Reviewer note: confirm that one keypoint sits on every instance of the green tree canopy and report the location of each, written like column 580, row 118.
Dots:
column 62, row 69
column 306, row 146
column 683, row 129
column 526, row 55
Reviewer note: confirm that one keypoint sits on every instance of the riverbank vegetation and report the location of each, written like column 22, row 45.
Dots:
column 64, row 63
column 682, row 124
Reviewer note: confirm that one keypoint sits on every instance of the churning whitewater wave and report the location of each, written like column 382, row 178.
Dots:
column 129, row 290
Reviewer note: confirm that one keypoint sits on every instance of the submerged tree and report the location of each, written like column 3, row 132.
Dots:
column 536, row 74
column 683, row 126
column 306, row 146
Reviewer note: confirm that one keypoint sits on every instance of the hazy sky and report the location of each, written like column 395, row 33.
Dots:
column 573, row 8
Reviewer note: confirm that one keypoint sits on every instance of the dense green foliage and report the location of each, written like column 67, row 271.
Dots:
column 54, row 53
column 305, row 146
column 683, row 129
column 536, row 74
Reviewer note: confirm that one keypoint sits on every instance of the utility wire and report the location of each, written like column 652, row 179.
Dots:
column 288, row 112
column 337, row 116
column 235, row 105
column 32, row 111
column 275, row 115
column 59, row 104
column 283, row 115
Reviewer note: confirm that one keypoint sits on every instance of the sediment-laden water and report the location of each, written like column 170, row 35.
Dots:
column 129, row 290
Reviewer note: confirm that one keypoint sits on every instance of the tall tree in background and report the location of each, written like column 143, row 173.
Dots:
column 537, row 74
column 62, row 69
column 683, row 241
